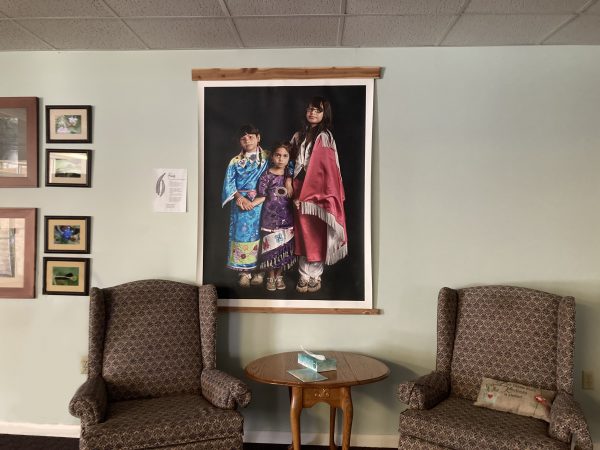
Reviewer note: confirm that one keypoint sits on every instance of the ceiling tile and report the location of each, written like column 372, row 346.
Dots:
column 13, row 37
column 404, row 6
column 525, row 6
column 594, row 9
column 395, row 31
column 156, row 8
column 55, row 8
column 209, row 24
column 181, row 33
column 584, row 30
column 273, row 32
column 84, row 34
column 283, row 7
column 484, row 30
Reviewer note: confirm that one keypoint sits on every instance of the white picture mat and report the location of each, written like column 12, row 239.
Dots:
column 367, row 302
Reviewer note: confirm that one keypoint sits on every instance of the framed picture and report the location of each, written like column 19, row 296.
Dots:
column 66, row 276
column 17, row 252
column 68, row 124
column 247, row 118
column 19, row 142
column 68, row 168
column 67, row 234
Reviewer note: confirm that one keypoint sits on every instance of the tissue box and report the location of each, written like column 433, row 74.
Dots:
column 315, row 364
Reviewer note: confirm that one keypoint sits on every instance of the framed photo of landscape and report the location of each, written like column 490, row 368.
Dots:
column 19, row 142
column 17, row 252
column 68, row 168
column 67, row 234
column 272, row 106
column 66, row 276
column 68, row 124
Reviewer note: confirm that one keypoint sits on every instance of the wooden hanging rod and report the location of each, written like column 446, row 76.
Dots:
column 276, row 73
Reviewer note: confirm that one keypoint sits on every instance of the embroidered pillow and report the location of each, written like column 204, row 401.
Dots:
column 515, row 398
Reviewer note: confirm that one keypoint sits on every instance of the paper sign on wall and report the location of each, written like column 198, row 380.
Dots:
column 170, row 190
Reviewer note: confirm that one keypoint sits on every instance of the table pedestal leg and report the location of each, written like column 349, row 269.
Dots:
column 335, row 398
column 295, row 410
column 332, row 413
column 346, row 406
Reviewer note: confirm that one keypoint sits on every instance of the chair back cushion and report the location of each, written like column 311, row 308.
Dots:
column 505, row 333
column 152, row 340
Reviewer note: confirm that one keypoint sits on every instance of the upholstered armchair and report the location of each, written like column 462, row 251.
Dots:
column 152, row 377
column 504, row 333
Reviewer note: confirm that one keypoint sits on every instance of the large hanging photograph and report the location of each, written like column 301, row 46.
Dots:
column 285, row 189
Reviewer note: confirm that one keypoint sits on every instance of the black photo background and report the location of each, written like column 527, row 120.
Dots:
column 278, row 112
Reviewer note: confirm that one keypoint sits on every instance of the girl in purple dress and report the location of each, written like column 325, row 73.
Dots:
column 277, row 220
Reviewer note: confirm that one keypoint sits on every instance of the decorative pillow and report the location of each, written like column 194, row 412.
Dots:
column 515, row 398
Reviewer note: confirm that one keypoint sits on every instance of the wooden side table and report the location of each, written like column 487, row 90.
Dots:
column 352, row 369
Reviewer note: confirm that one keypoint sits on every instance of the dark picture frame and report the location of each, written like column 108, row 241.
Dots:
column 18, row 236
column 68, row 124
column 68, row 168
column 274, row 100
column 67, row 234
column 19, row 143
column 66, row 276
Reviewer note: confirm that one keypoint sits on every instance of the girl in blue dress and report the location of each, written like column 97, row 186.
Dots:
column 239, row 189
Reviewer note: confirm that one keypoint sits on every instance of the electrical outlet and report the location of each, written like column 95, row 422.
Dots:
column 83, row 365
column 587, row 379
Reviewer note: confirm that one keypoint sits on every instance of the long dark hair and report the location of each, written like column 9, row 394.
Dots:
column 309, row 133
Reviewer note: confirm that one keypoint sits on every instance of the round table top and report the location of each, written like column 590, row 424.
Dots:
column 352, row 369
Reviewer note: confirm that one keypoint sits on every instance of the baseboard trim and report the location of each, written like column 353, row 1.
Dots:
column 356, row 440
column 258, row 437
column 40, row 429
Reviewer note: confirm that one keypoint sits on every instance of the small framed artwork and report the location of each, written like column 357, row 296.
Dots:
column 68, row 124
column 66, row 276
column 67, row 234
column 17, row 252
column 68, row 168
column 19, row 142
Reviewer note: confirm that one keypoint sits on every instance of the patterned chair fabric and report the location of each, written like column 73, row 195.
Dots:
column 152, row 376
column 501, row 332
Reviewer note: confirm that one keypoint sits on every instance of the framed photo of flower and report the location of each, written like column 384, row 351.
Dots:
column 68, row 124
column 67, row 234
column 68, row 168
column 66, row 276
column 19, row 142
column 17, row 252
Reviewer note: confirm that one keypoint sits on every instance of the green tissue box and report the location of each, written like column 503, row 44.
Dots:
column 315, row 364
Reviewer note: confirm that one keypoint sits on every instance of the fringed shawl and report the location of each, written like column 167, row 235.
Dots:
column 322, row 196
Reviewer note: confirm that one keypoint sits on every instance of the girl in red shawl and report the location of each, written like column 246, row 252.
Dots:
column 318, row 193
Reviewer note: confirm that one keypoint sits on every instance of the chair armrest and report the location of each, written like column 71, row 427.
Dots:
column 89, row 402
column 567, row 419
column 223, row 390
column 425, row 392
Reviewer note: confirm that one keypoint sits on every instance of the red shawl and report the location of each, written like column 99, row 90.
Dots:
column 321, row 228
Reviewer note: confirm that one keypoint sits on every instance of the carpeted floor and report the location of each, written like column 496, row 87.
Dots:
column 16, row 442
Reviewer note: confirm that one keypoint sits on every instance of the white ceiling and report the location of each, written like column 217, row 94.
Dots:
column 223, row 24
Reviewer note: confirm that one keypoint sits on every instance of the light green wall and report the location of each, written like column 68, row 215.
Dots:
column 485, row 170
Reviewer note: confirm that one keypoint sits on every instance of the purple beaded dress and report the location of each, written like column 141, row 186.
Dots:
column 276, row 224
